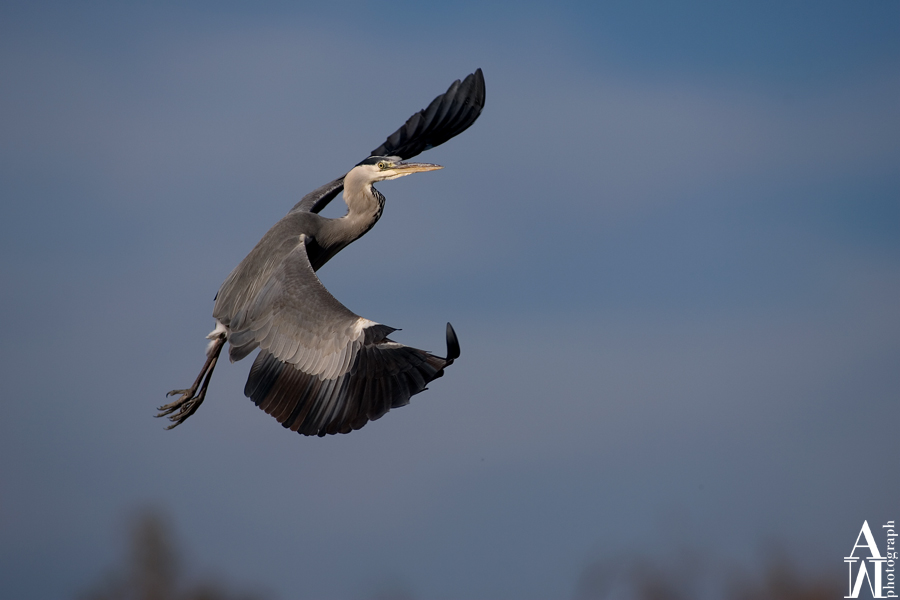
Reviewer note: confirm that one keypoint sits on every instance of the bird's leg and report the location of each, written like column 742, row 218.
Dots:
column 191, row 399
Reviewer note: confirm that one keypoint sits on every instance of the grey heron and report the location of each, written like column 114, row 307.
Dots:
column 322, row 369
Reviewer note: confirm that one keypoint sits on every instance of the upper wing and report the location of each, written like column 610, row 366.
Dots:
column 323, row 369
column 447, row 116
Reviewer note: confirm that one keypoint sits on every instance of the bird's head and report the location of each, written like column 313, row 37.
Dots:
column 383, row 168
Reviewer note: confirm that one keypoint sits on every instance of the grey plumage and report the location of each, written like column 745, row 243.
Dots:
column 321, row 368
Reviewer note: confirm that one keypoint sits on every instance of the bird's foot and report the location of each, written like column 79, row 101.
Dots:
column 183, row 407
column 191, row 399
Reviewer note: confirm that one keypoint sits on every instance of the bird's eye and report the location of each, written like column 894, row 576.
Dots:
column 382, row 165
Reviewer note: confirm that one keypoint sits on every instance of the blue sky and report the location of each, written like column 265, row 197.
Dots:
column 670, row 247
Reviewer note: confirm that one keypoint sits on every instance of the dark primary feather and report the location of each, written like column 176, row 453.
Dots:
column 383, row 376
column 447, row 116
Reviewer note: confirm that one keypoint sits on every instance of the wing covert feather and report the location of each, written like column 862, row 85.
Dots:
column 298, row 321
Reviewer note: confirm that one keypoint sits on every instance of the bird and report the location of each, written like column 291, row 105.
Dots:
column 322, row 369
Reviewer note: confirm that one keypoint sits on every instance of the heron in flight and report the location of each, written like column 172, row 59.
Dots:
column 321, row 369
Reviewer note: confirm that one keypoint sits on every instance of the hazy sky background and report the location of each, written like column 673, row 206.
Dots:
column 670, row 247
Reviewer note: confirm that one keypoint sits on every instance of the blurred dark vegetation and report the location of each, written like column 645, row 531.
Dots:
column 690, row 577
column 152, row 569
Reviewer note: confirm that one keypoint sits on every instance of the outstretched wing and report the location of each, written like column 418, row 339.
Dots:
column 447, row 116
column 321, row 368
